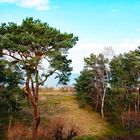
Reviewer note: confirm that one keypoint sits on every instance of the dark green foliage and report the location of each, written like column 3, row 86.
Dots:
column 32, row 41
column 124, row 95
column 83, row 81
column 10, row 93
column 124, row 78
column 125, row 70
column 83, row 87
column 116, row 100
column 10, row 75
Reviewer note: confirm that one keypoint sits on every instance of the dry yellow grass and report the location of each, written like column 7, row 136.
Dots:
column 90, row 122
column 57, row 91
column 67, row 107
column 63, row 106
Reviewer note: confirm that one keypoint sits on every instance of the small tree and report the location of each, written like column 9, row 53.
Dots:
column 28, row 45
column 10, row 92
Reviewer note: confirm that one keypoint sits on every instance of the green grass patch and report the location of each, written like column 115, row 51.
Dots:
column 87, row 138
column 115, row 131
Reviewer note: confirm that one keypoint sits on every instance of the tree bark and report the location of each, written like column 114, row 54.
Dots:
column 135, row 102
column 33, row 98
column 10, row 123
column 97, row 101
column 36, row 121
column 102, row 103
column 138, row 104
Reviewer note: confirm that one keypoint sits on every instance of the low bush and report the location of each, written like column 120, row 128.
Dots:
column 58, row 129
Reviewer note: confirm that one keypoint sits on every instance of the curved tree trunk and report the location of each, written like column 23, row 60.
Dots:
column 32, row 95
column 36, row 121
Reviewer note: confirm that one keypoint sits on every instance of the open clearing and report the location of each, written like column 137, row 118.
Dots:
column 67, row 107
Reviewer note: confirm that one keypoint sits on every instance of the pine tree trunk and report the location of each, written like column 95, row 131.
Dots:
column 36, row 121
column 33, row 98
column 138, row 104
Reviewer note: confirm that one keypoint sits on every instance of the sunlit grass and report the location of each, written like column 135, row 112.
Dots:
column 68, row 107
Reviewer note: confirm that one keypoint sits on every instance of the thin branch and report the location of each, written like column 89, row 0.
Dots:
column 12, row 56
column 46, row 77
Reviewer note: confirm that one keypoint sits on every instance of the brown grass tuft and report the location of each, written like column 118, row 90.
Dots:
column 19, row 131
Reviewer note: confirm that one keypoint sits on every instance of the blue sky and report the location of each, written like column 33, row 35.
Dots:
column 97, row 23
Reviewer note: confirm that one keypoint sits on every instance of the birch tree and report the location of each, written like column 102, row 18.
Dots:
column 97, row 64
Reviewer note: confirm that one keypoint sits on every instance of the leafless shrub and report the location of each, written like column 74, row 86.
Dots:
column 73, row 130
column 55, row 130
column 61, row 130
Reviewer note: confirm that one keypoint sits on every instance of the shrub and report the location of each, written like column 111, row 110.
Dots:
column 56, row 129
column 73, row 130
column 59, row 129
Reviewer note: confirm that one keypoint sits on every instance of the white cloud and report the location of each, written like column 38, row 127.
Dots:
column 9, row 1
column 37, row 4
column 84, row 49
column 81, row 50
column 126, row 45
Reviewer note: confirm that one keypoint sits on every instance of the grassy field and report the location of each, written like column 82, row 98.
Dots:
column 67, row 107
column 64, row 105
